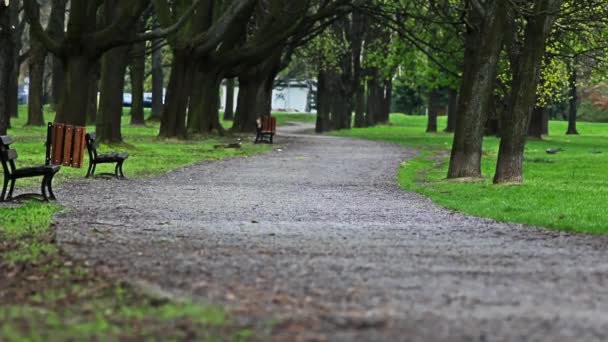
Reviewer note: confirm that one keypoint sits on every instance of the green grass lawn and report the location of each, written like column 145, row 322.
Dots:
column 44, row 295
column 567, row 191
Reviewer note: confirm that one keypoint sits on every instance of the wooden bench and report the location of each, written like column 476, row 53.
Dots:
column 107, row 158
column 12, row 173
column 266, row 129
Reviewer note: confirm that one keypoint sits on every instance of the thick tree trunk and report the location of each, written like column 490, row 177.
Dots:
column 138, row 71
column 526, row 77
column 36, row 65
column 495, row 111
column 452, row 108
column 229, row 110
column 5, row 66
column 15, row 48
column 536, row 128
column 247, row 105
column 158, row 83
column 92, row 97
column 75, row 95
column 374, row 102
column 388, row 99
column 56, row 31
column 322, row 100
column 113, row 70
column 433, row 107
column 482, row 51
column 203, row 110
column 173, row 121
column 360, row 106
column 573, row 102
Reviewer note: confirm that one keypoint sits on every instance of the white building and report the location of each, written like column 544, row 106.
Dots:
column 292, row 96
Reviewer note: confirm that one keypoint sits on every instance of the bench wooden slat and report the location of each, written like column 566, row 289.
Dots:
column 67, row 145
column 57, row 143
column 78, row 150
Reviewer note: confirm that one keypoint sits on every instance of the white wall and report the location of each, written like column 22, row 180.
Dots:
column 283, row 99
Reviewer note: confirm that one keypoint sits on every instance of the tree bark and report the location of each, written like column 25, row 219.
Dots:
column 158, row 82
column 573, row 102
column 247, row 104
column 56, row 30
column 483, row 41
column 433, row 107
column 36, row 66
column 526, row 77
column 173, row 121
column 229, row 110
column 536, row 129
column 203, row 110
column 92, row 96
column 374, row 102
column 388, row 101
column 15, row 48
column 452, row 108
column 113, row 70
column 138, row 71
column 360, row 106
column 322, row 101
column 5, row 66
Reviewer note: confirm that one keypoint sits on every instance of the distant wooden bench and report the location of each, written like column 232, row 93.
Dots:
column 107, row 158
column 266, row 129
column 8, row 156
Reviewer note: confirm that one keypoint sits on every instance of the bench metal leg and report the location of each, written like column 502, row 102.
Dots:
column 122, row 174
column 89, row 170
column 10, row 191
column 49, row 184
column 43, row 186
column 4, row 188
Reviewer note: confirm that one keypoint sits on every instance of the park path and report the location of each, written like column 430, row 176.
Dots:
column 317, row 242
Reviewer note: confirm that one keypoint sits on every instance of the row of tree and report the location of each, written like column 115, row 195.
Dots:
column 498, row 64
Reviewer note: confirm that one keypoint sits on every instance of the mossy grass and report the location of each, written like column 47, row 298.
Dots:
column 44, row 295
column 566, row 191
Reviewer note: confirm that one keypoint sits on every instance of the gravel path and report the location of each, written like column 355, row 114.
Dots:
column 317, row 242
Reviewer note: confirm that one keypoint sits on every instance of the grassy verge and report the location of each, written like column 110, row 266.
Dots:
column 566, row 191
column 44, row 295
column 285, row 118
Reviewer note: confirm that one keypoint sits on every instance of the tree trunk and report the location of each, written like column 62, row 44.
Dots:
column 526, row 77
column 452, row 107
column 158, row 82
column 322, row 101
column 173, row 121
column 92, row 97
column 56, row 31
column 482, row 51
column 229, row 110
column 433, row 107
column 374, row 102
column 573, row 102
column 36, row 65
column 5, row 66
column 360, row 106
column 138, row 71
column 535, row 130
column 75, row 95
column 247, row 105
column 388, row 99
column 113, row 70
column 203, row 110
column 15, row 48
